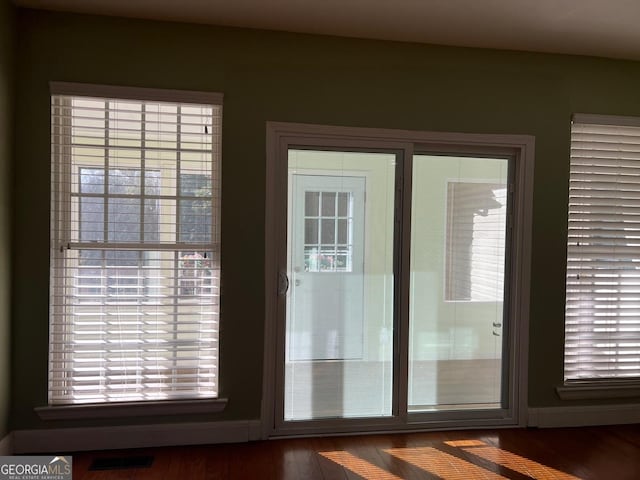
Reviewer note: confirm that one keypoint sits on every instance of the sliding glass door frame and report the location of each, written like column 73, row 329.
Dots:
column 511, row 373
column 342, row 424
column 281, row 137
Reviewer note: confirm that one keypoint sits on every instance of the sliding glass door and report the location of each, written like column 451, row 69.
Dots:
column 458, row 246
column 339, row 316
column 396, row 302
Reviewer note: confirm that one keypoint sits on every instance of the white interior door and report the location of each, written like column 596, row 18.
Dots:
column 326, row 260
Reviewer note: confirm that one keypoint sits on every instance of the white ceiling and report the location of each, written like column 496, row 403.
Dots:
column 607, row 28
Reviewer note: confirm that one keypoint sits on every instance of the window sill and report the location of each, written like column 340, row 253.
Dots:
column 131, row 409
column 598, row 390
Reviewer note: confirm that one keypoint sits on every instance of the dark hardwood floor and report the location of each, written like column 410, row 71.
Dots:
column 602, row 453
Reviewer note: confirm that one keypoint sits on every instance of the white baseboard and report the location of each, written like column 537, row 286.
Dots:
column 550, row 417
column 6, row 445
column 134, row 436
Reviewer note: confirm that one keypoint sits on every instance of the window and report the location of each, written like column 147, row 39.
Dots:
column 328, row 224
column 476, row 224
column 135, row 258
column 602, row 339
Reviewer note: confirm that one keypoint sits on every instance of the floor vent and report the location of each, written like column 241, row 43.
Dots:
column 121, row 463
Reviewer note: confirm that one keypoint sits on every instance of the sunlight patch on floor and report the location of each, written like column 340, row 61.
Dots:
column 444, row 465
column 518, row 463
column 359, row 466
column 449, row 466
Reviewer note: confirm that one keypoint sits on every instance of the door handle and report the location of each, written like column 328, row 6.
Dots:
column 283, row 283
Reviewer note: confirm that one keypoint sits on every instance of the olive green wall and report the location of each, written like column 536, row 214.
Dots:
column 297, row 78
column 7, row 72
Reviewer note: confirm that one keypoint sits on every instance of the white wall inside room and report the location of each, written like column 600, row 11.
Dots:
column 379, row 173
column 440, row 329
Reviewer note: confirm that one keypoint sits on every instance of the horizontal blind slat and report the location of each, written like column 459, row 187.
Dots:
column 602, row 323
column 135, row 250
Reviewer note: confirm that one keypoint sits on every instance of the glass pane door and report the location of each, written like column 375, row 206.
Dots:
column 339, row 307
column 458, row 225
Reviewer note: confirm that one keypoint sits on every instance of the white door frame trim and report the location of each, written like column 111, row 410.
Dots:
column 282, row 135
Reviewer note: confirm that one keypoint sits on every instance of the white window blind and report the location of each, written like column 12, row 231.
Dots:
column 134, row 248
column 602, row 326
column 475, row 253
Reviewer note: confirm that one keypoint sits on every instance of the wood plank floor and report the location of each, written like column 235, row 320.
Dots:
column 593, row 453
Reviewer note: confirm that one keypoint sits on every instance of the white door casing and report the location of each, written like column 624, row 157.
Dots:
column 327, row 348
